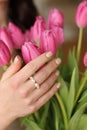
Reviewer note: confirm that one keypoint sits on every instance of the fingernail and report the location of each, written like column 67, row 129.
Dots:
column 58, row 85
column 57, row 73
column 49, row 54
column 16, row 60
column 58, row 61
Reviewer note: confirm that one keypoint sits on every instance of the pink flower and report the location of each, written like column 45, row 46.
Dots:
column 85, row 59
column 81, row 14
column 17, row 35
column 58, row 34
column 5, row 55
column 55, row 18
column 47, row 42
column 6, row 38
column 37, row 29
column 27, row 35
column 30, row 51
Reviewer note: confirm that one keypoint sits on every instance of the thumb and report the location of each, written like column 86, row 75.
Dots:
column 13, row 68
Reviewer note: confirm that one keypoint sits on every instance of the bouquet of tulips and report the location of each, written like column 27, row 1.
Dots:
column 67, row 109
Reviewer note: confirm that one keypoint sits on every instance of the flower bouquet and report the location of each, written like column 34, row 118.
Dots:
column 67, row 109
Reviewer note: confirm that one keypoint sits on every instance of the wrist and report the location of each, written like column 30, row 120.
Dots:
column 6, row 120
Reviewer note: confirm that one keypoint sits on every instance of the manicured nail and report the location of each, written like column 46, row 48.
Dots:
column 16, row 60
column 57, row 73
column 58, row 61
column 58, row 85
column 49, row 54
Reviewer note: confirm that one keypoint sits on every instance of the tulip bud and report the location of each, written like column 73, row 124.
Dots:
column 81, row 14
column 85, row 59
column 55, row 18
column 47, row 42
column 6, row 38
column 30, row 51
column 5, row 55
column 17, row 35
column 58, row 34
column 37, row 29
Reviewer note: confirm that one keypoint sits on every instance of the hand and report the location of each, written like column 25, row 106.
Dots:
column 18, row 95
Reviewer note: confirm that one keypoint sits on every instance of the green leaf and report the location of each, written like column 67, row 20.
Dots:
column 57, row 114
column 63, row 110
column 82, row 125
column 84, row 96
column 31, row 125
column 71, row 96
column 44, row 114
column 63, row 91
column 82, row 100
column 76, row 117
column 72, row 61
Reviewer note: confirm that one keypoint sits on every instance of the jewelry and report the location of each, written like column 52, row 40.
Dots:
column 35, row 83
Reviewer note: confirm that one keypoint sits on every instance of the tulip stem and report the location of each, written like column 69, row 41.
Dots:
column 83, row 81
column 63, row 110
column 79, row 43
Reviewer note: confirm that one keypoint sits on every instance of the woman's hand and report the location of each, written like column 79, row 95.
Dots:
column 18, row 95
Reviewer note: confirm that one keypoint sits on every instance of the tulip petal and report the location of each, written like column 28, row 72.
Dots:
column 55, row 18
column 30, row 51
column 47, row 42
column 81, row 14
column 6, row 38
column 17, row 35
column 5, row 55
column 85, row 59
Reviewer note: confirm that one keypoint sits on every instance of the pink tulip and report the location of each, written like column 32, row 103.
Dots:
column 81, row 14
column 85, row 59
column 27, row 35
column 58, row 34
column 6, row 38
column 5, row 55
column 37, row 29
column 17, row 35
column 55, row 18
column 30, row 51
column 47, row 42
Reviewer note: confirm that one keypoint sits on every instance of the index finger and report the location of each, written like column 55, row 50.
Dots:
column 33, row 66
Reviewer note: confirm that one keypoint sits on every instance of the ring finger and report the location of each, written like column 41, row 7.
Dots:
column 35, row 95
column 40, row 76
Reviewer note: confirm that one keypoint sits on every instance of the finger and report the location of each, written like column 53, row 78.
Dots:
column 44, row 88
column 40, row 76
column 45, row 72
column 45, row 98
column 29, row 86
column 13, row 68
column 32, row 67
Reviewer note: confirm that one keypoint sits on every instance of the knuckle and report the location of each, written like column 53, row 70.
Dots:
column 14, row 84
column 45, row 72
column 54, row 64
column 22, row 93
column 47, row 84
column 33, row 108
column 32, row 66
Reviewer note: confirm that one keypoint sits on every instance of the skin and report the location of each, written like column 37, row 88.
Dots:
column 18, row 95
